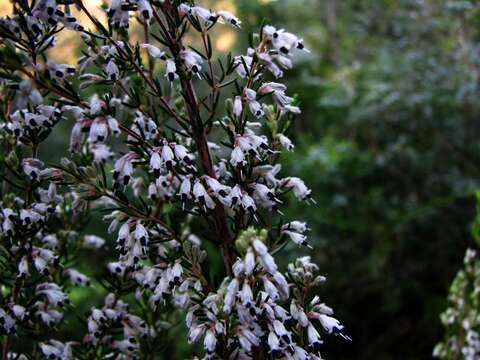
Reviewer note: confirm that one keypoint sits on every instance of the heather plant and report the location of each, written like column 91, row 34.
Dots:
column 462, row 319
column 180, row 149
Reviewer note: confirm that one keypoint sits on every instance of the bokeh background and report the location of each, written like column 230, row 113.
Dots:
column 388, row 141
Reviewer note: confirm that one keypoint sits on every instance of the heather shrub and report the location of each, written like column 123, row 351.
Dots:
column 179, row 149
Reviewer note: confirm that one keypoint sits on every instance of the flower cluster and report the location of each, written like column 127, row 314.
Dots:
column 152, row 145
column 462, row 319
column 38, row 227
column 111, row 319
column 266, row 312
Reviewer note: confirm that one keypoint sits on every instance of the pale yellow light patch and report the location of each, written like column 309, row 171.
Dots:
column 225, row 40
column 5, row 7
column 227, row 5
